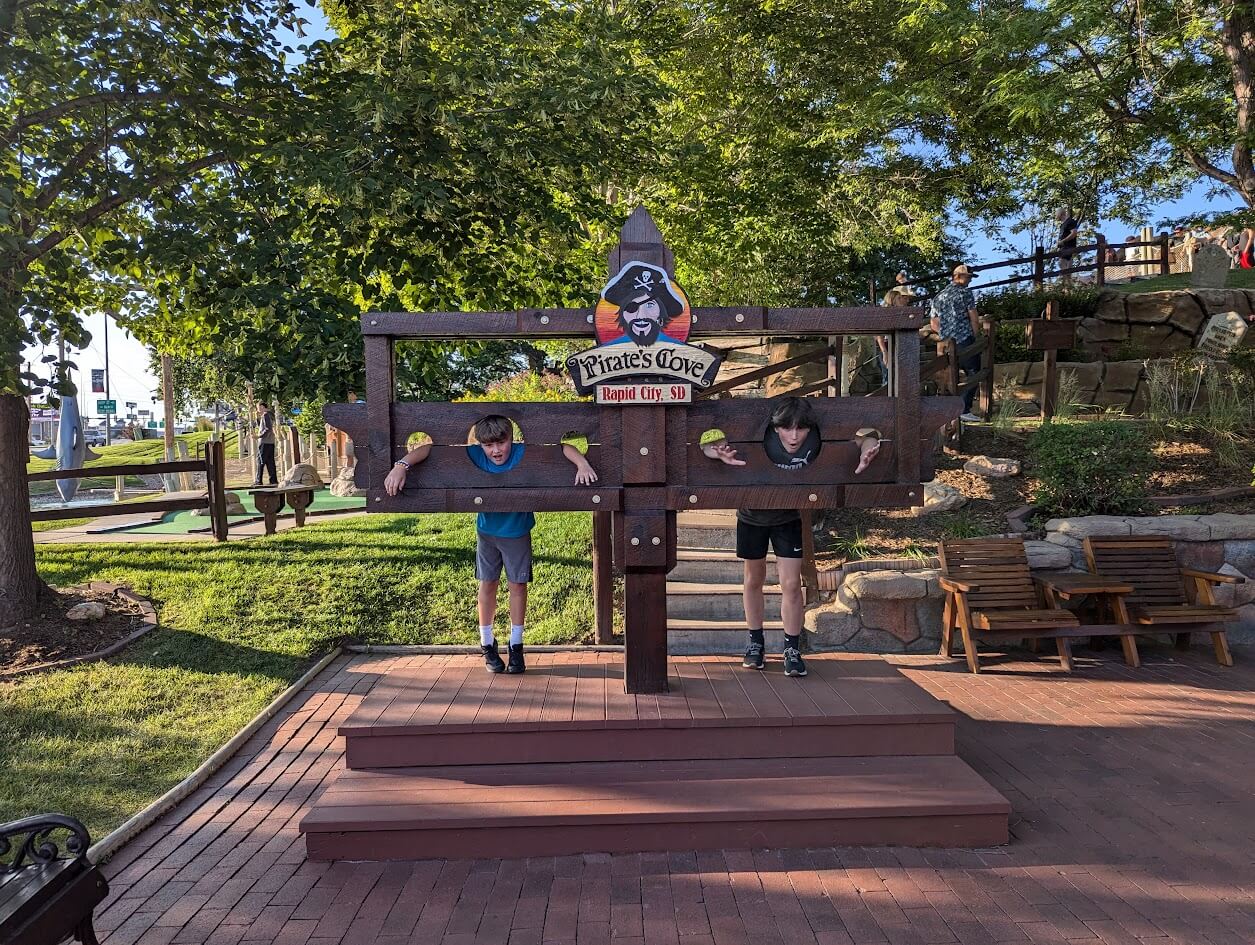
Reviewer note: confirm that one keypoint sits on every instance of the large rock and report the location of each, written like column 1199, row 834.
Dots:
column 1188, row 314
column 344, row 486
column 992, row 467
column 234, row 506
column 1216, row 301
column 1181, row 527
column 939, row 497
column 1112, row 399
column 1241, row 554
column 887, row 585
column 1158, row 338
column 1096, row 331
column 1047, row 556
column 87, row 610
column 1088, row 374
column 1011, row 374
column 1087, row 526
column 1123, row 375
column 1234, row 595
column 1150, row 308
column 831, row 625
column 892, row 616
column 1225, row 526
column 302, row 474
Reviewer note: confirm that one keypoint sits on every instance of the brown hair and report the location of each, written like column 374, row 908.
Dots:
column 790, row 412
column 493, row 428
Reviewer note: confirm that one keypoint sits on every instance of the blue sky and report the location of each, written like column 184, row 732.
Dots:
column 132, row 380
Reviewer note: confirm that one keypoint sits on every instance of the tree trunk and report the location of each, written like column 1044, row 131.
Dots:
column 19, row 584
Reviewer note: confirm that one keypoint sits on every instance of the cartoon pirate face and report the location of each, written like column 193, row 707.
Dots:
column 646, row 301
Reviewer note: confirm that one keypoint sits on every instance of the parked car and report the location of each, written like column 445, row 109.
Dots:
column 94, row 437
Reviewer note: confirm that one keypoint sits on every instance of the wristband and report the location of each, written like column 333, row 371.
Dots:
column 401, row 462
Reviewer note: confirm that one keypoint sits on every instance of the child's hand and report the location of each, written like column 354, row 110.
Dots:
column 868, row 448
column 394, row 482
column 724, row 453
column 585, row 475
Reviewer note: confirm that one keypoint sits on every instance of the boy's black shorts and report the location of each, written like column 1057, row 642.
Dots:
column 752, row 540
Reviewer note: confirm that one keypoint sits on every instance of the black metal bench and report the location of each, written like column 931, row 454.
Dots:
column 48, row 887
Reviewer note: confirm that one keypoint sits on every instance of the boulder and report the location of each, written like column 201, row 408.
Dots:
column 1112, row 399
column 1088, row 374
column 892, row 616
column 1225, row 526
column 1241, row 554
column 1086, row 526
column 1234, row 595
column 1150, row 308
column 831, row 625
column 1200, row 555
column 992, row 467
column 302, row 474
column 1188, row 314
column 1216, row 301
column 1011, row 374
column 1047, row 556
column 928, row 617
column 234, row 507
column 887, row 585
column 1157, row 338
column 939, row 497
column 1096, row 331
column 1123, row 375
column 344, row 486
column 1181, row 527
column 87, row 610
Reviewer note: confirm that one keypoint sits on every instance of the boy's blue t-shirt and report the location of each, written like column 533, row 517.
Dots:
column 501, row 524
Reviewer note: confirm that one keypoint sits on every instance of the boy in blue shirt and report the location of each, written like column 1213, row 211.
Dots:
column 501, row 538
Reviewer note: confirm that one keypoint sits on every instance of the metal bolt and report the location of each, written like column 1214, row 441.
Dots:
column 644, row 450
column 374, row 321
column 813, row 497
column 544, row 319
column 596, row 500
column 636, row 541
column 692, row 498
column 740, row 317
column 378, row 499
column 589, row 319
column 694, row 319
column 656, row 540
column 479, row 500
column 911, row 494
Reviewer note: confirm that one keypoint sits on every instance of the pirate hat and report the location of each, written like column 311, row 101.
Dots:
column 638, row 277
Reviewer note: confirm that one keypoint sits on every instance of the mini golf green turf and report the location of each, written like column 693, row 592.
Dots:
column 182, row 523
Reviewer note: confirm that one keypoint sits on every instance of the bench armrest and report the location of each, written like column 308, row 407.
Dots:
column 1069, row 585
column 1211, row 576
column 954, row 584
column 44, row 838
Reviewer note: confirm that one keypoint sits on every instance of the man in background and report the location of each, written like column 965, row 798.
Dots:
column 265, row 445
column 954, row 317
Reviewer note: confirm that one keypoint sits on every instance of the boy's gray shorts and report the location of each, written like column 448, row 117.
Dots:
column 492, row 552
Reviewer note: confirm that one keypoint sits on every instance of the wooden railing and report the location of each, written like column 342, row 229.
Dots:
column 212, row 464
column 1162, row 261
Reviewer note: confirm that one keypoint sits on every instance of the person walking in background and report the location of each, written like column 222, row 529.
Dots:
column 1066, row 244
column 265, row 445
column 953, row 316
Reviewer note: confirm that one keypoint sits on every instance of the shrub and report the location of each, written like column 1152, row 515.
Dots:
column 527, row 387
column 1092, row 468
column 1011, row 307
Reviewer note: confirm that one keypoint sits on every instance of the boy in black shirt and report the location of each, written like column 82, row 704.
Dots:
column 792, row 442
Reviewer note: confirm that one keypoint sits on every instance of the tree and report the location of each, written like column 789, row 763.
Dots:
column 107, row 109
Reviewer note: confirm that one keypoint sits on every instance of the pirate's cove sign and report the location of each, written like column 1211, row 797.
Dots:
column 642, row 323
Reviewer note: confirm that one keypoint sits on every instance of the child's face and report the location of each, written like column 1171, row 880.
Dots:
column 792, row 437
column 498, row 451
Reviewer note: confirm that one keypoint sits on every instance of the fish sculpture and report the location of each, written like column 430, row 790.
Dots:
column 71, row 450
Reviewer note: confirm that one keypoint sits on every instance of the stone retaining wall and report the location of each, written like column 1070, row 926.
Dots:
column 892, row 611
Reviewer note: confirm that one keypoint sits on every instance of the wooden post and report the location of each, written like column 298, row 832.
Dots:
column 119, row 488
column 1039, row 267
column 834, row 366
column 603, row 578
column 380, row 390
column 215, row 479
column 1100, row 274
column 905, row 381
column 185, row 479
column 645, row 631
column 987, row 368
column 810, row 573
column 1165, row 255
column 948, row 349
column 1050, row 375
column 294, row 438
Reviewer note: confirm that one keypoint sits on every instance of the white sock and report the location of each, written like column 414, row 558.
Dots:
column 516, row 634
column 485, row 636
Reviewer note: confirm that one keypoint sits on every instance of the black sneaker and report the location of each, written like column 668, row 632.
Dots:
column 516, row 659
column 793, row 665
column 492, row 659
column 754, row 657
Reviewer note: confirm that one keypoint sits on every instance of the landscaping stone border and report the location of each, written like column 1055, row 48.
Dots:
column 150, row 623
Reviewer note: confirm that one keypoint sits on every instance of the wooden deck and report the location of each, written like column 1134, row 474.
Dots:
column 1132, row 792
column 446, row 759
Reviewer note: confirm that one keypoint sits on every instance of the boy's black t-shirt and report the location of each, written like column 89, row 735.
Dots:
column 806, row 453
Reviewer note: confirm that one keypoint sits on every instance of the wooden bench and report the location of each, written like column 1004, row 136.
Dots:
column 47, row 889
column 270, row 501
column 990, row 594
column 1160, row 599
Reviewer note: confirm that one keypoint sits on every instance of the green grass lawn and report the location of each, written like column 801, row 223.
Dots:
column 124, row 454
column 1238, row 279
column 240, row 621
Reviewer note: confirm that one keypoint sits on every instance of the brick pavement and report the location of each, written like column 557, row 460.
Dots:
column 1133, row 796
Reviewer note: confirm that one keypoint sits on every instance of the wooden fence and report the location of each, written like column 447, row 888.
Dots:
column 212, row 464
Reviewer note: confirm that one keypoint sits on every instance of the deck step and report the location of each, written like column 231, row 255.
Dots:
column 620, row 807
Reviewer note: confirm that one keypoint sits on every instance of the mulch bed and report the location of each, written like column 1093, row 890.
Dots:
column 48, row 639
column 1182, row 468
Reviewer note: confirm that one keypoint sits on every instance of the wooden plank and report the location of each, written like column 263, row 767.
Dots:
column 835, row 464
column 644, row 444
column 907, row 429
column 842, row 321
column 542, row 424
column 450, row 467
column 491, row 499
column 108, row 472
column 603, row 578
column 729, row 320
column 698, row 693
column 758, row 374
column 645, row 619
column 128, row 508
column 380, row 436
column 746, row 421
column 758, row 497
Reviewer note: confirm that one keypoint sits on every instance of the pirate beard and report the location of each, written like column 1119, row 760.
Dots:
column 642, row 331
